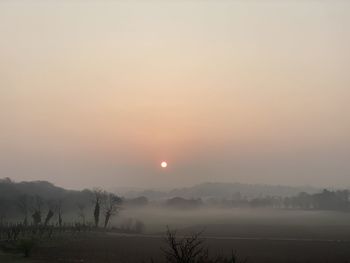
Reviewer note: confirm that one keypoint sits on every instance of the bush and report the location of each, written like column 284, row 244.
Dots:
column 191, row 249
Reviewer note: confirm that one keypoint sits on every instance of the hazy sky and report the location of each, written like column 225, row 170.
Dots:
column 99, row 93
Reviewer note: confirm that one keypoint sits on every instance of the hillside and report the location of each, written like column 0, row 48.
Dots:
column 11, row 192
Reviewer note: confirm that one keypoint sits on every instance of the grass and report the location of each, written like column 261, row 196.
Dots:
column 114, row 248
column 15, row 258
column 220, row 226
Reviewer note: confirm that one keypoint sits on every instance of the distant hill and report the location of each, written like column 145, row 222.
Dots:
column 223, row 190
column 10, row 192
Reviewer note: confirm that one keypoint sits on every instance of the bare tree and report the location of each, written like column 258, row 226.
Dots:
column 50, row 213
column 188, row 249
column 59, row 212
column 191, row 249
column 111, row 206
column 23, row 204
column 97, row 201
column 38, row 203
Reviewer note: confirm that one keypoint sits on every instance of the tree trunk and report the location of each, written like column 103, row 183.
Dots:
column 48, row 217
column 108, row 215
column 37, row 217
column 60, row 219
column 97, row 214
column 25, row 221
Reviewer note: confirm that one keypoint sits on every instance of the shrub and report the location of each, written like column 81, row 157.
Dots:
column 191, row 249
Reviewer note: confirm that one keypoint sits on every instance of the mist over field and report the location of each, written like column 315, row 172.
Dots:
column 219, row 217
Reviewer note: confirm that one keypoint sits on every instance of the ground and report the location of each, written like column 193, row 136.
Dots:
column 260, row 236
column 94, row 248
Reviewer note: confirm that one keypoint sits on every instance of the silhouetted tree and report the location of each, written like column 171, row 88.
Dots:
column 97, row 200
column 38, row 203
column 48, row 217
column 51, row 204
column 59, row 212
column 23, row 204
column 325, row 200
column 191, row 249
column 111, row 205
column 186, row 250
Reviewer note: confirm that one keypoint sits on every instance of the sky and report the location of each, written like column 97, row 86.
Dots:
column 99, row 93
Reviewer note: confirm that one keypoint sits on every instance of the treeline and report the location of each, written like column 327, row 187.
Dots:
column 326, row 200
column 16, row 197
column 41, row 203
column 338, row 200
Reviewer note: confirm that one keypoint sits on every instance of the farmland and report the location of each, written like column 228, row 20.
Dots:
column 258, row 236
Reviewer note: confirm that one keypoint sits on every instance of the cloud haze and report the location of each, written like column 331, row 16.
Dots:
column 100, row 93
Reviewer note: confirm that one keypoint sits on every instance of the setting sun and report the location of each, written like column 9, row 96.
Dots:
column 164, row 164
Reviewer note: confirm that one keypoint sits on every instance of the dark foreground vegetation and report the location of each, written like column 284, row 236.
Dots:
column 97, row 246
column 23, row 240
column 191, row 249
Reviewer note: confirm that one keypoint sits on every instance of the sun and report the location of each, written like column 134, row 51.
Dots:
column 164, row 164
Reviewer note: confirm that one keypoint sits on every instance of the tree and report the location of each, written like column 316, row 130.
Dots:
column 59, row 212
column 23, row 204
column 111, row 206
column 38, row 203
column 97, row 200
column 191, row 249
column 48, row 217
column 186, row 250
column 50, row 213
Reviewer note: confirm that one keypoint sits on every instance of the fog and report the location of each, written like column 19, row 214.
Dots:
column 241, row 222
column 262, row 222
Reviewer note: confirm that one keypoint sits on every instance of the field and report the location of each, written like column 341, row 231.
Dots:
column 258, row 235
column 155, row 219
